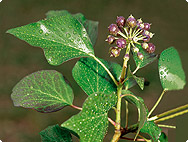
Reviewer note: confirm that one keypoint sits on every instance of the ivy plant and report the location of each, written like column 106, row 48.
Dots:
column 64, row 36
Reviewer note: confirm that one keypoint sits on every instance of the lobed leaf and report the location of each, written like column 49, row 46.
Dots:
column 61, row 37
column 171, row 72
column 90, row 26
column 139, row 103
column 92, row 122
column 93, row 78
column 152, row 130
column 55, row 133
column 148, row 58
column 44, row 91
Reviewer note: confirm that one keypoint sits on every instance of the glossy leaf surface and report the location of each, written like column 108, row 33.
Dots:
column 152, row 130
column 90, row 26
column 148, row 58
column 171, row 72
column 92, row 122
column 61, row 37
column 55, row 134
column 163, row 137
column 93, row 78
column 44, row 91
column 139, row 103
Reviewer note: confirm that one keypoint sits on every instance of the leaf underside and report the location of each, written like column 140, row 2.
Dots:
column 171, row 72
column 61, row 37
column 44, row 91
column 92, row 122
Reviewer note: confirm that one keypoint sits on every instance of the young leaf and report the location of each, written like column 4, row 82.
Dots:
column 61, row 37
column 152, row 130
column 163, row 138
column 148, row 58
column 55, row 133
column 171, row 72
column 139, row 102
column 92, row 77
column 90, row 26
column 44, row 91
column 92, row 122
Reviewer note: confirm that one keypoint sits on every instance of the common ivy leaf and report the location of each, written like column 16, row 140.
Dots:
column 139, row 103
column 44, row 91
column 163, row 138
column 90, row 26
column 61, row 37
column 93, row 78
column 92, row 122
column 55, row 133
column 171, row 72
column 148, row 58
column 152, row 130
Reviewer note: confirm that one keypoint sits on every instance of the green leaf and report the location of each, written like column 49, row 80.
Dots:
column 92, row 122
column 92, row 77
column 55, row 134
column 44, row 91
column 61, row 37
column 139, row 103
column 90, row 26
column 148, row 58
column 163, row 138
column 171, row 72
column 152, row 130
column 139, row 81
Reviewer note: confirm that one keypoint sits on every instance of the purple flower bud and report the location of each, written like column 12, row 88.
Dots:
column 147, row 39
column 145, row 33
column 151, row 48
column 110, row 39
column 135, row 49
column 120, row 21
column 140, row 56
column 121, row 43
column 131, row 21
column 114, row 51
column 144, row 45
column 146, row 26
column 126, row 57
column 113, row 29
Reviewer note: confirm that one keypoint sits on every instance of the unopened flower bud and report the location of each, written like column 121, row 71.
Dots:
column 126, row 57
column 140, row 56
column 151, row 48
column 110, row 39
column 121, row 43
column 144, row 45
column 114, row 51
column 147, row 39
column 113, row 29
column 151, row 35
column 131, row 21
column 120, row 21
column 135, row 49
column 145, row 33
column 146, row 26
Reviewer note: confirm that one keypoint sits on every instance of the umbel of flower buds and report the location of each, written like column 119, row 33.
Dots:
column 128, row 34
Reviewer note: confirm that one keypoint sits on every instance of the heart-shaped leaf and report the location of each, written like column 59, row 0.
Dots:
column 55, row 133
column 92, row 122
column 61, row 37
column 93, row 78
column 139, row 102
column 163, row 138
column 148, row 58
column 90, row 26
column 44, row 91
column 152, row 130
column 171, row 72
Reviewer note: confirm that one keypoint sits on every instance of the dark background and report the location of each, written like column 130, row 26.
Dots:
column 17, row 59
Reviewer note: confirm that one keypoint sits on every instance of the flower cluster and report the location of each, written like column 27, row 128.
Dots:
column 126, row 33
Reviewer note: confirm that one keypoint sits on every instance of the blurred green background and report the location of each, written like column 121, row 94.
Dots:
column 169, row 20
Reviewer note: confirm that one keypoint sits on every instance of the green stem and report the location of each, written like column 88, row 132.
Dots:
column 166, row 126
column 127, row 113
column 171, row 116
column 110, row 74
column 156, row 104
column 169, row 112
